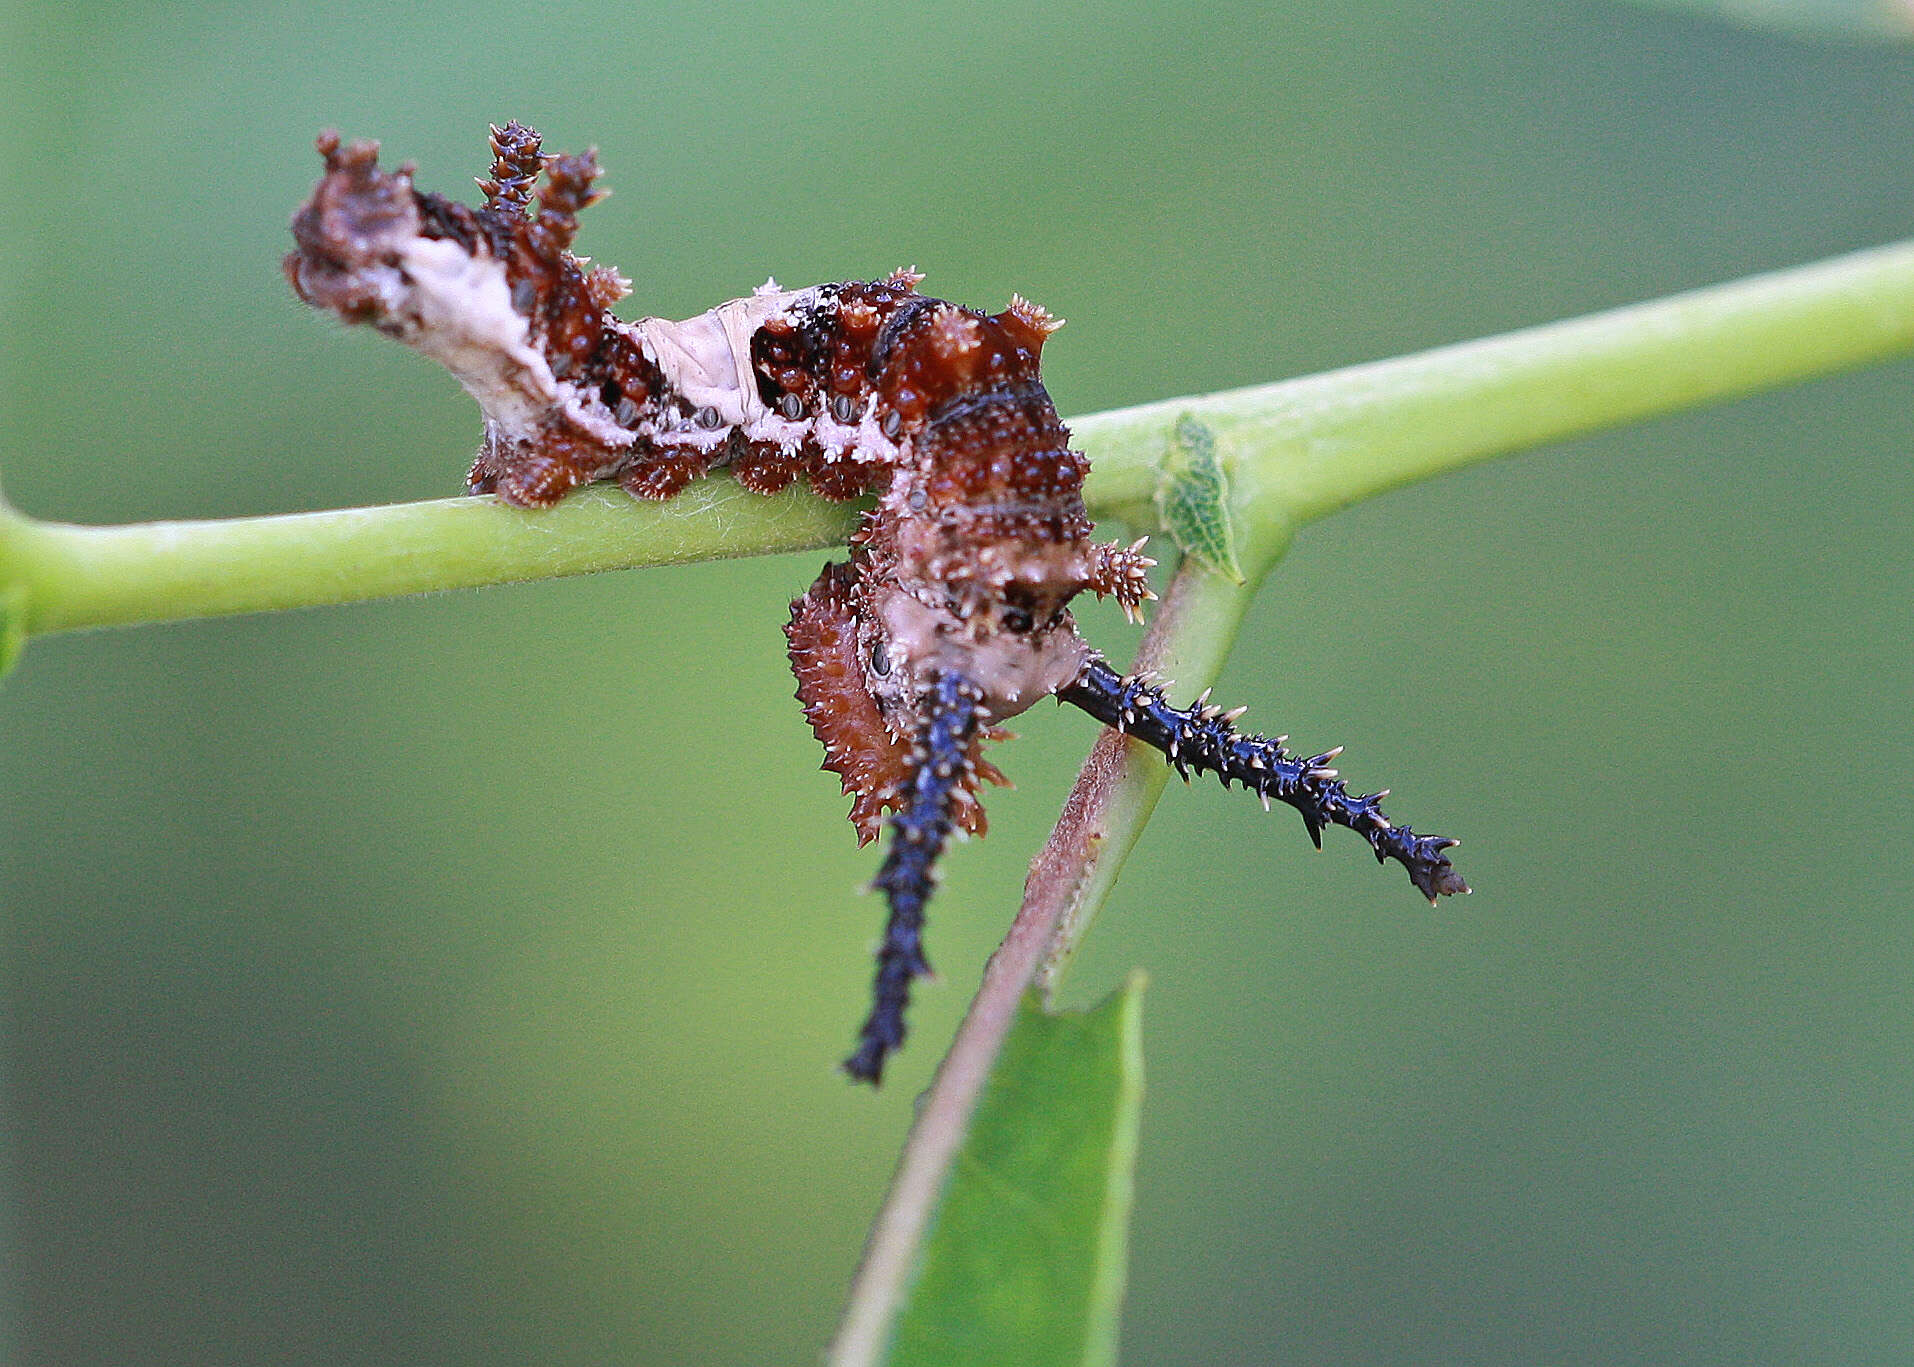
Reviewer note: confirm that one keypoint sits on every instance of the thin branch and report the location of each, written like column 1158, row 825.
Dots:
column 1298, row 450
column 1311, row 446
column 1101, row 820
column 80, row 577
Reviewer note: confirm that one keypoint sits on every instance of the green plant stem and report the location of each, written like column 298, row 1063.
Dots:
column 1123, row 778
column 1105, row 813
column 1298, row 449
column 159, row 571
column 1314, row 445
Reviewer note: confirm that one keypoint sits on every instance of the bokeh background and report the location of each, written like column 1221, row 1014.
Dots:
column 460, row 980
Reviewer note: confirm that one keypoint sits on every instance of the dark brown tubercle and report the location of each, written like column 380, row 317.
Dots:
column 951, row 614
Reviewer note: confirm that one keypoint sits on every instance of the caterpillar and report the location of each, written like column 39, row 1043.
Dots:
column 951, row 613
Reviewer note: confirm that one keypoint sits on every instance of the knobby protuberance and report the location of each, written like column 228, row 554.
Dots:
column 952, row 612
column 1203, row 739
column 940, row 767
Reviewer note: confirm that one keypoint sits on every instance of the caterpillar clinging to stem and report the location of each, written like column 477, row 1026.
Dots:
column 952, row 612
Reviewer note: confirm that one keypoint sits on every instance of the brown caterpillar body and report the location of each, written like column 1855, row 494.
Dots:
column 952, row 614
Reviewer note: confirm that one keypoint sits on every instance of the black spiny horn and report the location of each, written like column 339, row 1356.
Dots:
column 1202, row 739
column 918, row 835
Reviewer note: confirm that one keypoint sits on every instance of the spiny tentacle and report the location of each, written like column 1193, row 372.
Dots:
column 919, row 833
column 1202, row 739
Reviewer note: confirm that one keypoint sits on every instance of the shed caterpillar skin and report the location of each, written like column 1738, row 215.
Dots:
column 951, row 614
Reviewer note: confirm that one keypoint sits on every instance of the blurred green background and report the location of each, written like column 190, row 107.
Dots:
column 460, row 980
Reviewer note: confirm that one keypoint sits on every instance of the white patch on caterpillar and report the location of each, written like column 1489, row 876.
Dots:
column 706, row 364
column 706, row 361
column 861, row 440
column 872, row 444
column 836, row 439
column 1010, row 670
column 457, row 308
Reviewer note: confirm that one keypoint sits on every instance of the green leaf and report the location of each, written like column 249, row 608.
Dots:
column 1026, row 1261
column 1868, row 20
column 13, row 625
column 1192, row 498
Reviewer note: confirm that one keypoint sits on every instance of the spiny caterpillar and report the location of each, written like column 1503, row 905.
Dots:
column 951, row 614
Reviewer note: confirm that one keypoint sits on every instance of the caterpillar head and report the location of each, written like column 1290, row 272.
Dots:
column 867, row 659
column 1014, row 651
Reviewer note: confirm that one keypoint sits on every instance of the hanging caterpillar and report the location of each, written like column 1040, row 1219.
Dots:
column 951, row 614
